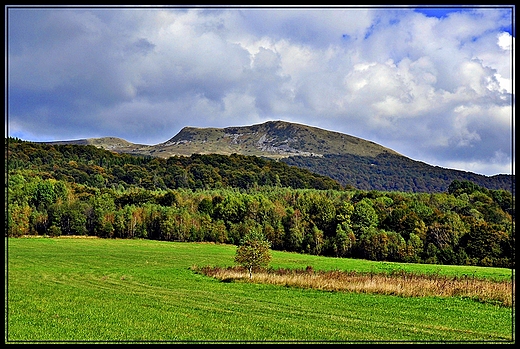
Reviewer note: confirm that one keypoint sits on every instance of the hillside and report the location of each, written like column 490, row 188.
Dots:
column 114, row 144
column 351, row 161
column 391, row 172
column 97, row 167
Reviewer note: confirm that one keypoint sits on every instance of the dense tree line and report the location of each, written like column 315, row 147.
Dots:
column 391, row 172
column 466, row 226
column 121, row 196
column 99, row 168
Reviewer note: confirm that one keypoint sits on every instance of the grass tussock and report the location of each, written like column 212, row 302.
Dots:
column 400, row 283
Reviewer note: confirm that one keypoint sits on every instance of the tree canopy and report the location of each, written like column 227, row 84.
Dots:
column 88, row 191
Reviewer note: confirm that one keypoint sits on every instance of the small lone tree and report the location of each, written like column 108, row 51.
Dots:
column 253, row 252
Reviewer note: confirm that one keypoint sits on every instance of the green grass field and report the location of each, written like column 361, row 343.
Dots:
column 99, row 290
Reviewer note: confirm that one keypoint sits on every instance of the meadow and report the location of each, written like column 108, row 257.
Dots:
column 145, row 291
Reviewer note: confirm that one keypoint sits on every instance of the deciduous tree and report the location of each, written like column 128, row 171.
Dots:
column 253, row 252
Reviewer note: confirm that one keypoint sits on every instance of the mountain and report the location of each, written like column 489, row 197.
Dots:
column 272, row 139
column 350, row 160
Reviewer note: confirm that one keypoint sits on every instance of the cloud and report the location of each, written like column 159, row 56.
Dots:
column 434, row 88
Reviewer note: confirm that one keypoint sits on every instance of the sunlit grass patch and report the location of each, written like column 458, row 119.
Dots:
column 143, row 290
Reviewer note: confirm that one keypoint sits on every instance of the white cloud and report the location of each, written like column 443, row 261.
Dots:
column 504, row 41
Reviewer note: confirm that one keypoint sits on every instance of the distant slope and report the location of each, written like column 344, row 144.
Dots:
column 390, row 172
column 114, row 144
column 351, row 161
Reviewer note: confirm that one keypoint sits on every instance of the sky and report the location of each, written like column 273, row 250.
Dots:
column 434, row 84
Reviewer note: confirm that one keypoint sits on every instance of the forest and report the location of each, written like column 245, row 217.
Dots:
column 54, row 190
column 391, row 172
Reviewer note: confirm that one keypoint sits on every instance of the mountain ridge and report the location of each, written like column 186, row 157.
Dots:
column 272, row 139
column 350, row 160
